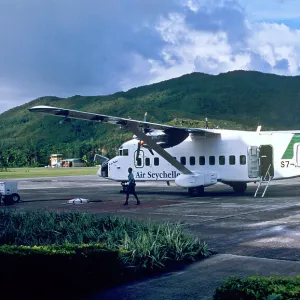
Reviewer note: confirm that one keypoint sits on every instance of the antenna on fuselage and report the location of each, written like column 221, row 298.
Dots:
column 206, row 123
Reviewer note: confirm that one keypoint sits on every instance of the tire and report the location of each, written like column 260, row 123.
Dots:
column 240, row 188
column 15, row 198
column 196, row 191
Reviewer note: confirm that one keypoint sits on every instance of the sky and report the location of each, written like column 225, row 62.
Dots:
column 98, row 47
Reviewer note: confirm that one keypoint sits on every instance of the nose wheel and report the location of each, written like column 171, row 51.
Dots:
column 196, row 191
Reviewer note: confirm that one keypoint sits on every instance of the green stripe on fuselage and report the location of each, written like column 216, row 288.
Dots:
column 289, row 151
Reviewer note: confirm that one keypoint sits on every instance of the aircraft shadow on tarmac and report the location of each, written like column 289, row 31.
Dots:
column 275, row 193
column 185, row 194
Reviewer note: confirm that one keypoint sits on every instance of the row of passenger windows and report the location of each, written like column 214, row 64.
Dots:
column 212, row 160
column 201, row 161
column 192, row 160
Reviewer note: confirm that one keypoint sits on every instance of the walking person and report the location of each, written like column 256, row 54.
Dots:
column 131, row 188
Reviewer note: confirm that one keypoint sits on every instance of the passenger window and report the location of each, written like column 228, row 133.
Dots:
column 156, row 161
column 125, row 152
column 202, row 160
column 183, row 160
column 192, row 160
column 147, row 161
column 242, row 159
column 232, row 160
column 221, row 160
column 212, row 160
column 139, row 162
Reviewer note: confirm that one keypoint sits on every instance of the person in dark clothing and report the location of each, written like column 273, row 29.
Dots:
column 131, row 188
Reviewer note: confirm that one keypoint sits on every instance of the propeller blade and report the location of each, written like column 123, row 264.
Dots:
column 138, row 151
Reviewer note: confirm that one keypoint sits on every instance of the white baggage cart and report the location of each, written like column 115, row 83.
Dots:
column 9, row 192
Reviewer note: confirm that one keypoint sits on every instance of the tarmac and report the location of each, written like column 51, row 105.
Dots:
column 250, row 235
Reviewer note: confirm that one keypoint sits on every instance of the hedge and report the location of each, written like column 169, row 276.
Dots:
column 40, row 270
column 259, row 287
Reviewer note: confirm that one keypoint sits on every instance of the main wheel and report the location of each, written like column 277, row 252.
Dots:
column 196, row 191
column 239, row 187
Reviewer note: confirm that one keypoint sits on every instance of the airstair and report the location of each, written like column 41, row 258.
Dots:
column 264, row 180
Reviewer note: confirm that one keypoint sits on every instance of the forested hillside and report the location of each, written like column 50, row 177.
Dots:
column 238, row 99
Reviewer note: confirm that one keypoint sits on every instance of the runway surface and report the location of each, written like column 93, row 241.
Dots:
column 266, row 227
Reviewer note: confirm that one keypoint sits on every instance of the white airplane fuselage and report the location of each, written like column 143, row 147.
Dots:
column 233, row 156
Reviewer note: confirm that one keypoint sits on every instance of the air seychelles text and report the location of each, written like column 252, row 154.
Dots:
column 156, row 175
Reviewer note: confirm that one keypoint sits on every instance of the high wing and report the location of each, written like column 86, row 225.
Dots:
column 134, row 126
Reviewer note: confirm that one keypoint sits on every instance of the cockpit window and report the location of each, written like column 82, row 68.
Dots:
column 125, row 152
column 120, row 152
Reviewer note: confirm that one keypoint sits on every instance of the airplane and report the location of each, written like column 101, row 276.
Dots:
column 195, row 158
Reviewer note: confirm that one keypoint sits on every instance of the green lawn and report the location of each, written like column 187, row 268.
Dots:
column 46, row 172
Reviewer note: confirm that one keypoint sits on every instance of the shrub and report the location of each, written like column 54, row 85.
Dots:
column 160, row 245
column 75, row 245
column 257, row 287
column 60, row 267
column 142, row 244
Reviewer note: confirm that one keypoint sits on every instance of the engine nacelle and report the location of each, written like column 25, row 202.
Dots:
column 196, row 179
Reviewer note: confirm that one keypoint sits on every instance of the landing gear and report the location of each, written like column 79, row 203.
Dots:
column 239, row 187
column 196, row 191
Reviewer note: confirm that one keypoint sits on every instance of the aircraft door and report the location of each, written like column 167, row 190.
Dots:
column 139, row 163
column 266, row 160
column 253, row 162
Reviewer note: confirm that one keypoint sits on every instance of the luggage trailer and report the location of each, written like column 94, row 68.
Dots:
column 9, row 192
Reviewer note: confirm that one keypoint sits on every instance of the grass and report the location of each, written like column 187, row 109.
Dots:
column 142, row 245
column 46, row 172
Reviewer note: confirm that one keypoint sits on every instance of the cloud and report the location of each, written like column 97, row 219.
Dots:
column 220, row 39
column 277, row 42
column 69, row 47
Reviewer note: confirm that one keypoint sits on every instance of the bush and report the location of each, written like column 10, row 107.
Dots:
column 142, row 244
column 63, row 267
column 161, row 245
column 257, row 287
column 71, row 248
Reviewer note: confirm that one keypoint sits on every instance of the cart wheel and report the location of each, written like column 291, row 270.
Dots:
column 16, row 198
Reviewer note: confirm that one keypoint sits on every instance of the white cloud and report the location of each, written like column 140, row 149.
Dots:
column 189, row 50
column 267, row 47
column 277, row 42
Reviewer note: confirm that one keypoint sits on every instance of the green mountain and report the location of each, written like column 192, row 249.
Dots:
column 233, row 100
